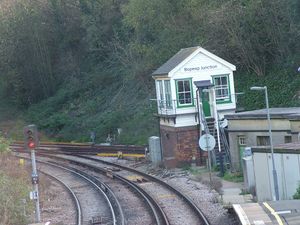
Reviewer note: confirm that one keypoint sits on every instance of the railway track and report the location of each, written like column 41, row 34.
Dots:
column 93, row 200
column 146, row 210
column 149, row 210
column 101, row 150
column 72, row 193
column 167, row 197
column 167, row 204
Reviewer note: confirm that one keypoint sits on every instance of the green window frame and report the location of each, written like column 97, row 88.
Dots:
column 184, row 92
column 222, row 88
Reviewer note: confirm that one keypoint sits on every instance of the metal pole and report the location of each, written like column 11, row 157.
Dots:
column 35, row 187
column 218, row 131
column 199, row 119
column 272, row 149
column 209, row 162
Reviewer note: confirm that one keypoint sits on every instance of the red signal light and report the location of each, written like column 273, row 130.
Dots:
column 31, row 137
column 31, row 145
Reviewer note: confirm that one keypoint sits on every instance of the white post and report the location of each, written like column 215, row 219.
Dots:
column 216, row 118
column 35, row 187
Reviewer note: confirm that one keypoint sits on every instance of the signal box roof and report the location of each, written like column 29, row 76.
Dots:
column 184, row 54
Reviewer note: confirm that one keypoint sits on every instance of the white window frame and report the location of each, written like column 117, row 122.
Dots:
column 164, row 94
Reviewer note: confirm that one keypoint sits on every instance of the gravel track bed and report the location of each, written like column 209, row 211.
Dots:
column 92, row 203
column 168, row 200
column 55, row 199
column 172, row 205
column 135, row 209
column 207, row 200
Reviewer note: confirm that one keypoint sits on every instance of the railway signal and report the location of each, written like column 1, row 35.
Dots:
column 31, row 137
column 31, row 142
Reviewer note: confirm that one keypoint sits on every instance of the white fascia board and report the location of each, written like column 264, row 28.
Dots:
column 218, row 59
column 206, row 53
column 160, row 77
column 171, row 73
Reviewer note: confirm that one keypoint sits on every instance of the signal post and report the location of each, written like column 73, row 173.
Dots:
column 31, row 142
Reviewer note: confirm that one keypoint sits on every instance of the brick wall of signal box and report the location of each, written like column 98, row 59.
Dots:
column 180, row 145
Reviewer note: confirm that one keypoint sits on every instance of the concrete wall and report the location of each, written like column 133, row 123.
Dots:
column 250, row 129
column 155, row 150
column 288, row 174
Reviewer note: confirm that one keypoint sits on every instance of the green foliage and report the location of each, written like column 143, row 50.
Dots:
column 297, row 194
column 14, row 189
column 233, row 177
column 4, row 145
column 283, row 86
column 82, row 66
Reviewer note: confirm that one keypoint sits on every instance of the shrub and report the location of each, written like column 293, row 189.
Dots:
column 14, row 188
column 233, row 177
column 297, row 194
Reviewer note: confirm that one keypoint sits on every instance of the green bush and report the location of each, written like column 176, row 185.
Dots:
column 297, row 194
column 12, row 193
column 14, row 189
column 4, row 145
column 233, row 177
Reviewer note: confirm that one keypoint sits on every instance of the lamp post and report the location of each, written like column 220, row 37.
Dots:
column 271, row 140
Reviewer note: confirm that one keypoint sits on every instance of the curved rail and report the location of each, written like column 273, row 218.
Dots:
column 193, row 206
column 186, row 198
column 88, row 178
column 158, row 213
column 98, row 185
column 75, row 199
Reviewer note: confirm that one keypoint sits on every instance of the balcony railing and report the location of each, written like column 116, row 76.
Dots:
column 170, row 108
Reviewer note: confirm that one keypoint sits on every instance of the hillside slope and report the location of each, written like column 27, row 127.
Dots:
column 73, row 67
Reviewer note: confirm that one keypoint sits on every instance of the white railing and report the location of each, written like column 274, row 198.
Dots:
column 171, row 107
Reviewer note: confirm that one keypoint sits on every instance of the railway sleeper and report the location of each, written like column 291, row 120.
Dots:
column 100, row 220
column 110, row 174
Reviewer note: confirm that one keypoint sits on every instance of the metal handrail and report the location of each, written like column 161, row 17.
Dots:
column 224, row 140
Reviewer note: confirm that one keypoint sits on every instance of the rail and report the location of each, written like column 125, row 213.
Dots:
column 150, row 177
column 75, row 199
column 160, row 217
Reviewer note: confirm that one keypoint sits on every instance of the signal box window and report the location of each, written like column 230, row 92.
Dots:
column 184, row 92
column 222, row 88
column 160, row 93
column 242, row 140
column 263, row 140
column 164, row 95
column 287, row 139
column 168, row 95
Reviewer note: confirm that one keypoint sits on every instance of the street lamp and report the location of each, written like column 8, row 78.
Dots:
column 271, row 140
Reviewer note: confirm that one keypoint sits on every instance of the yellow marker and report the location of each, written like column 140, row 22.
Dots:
column 120, row 155
column 124, row 155
column 166, row 196
column 279, row 221
column 22, row 162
